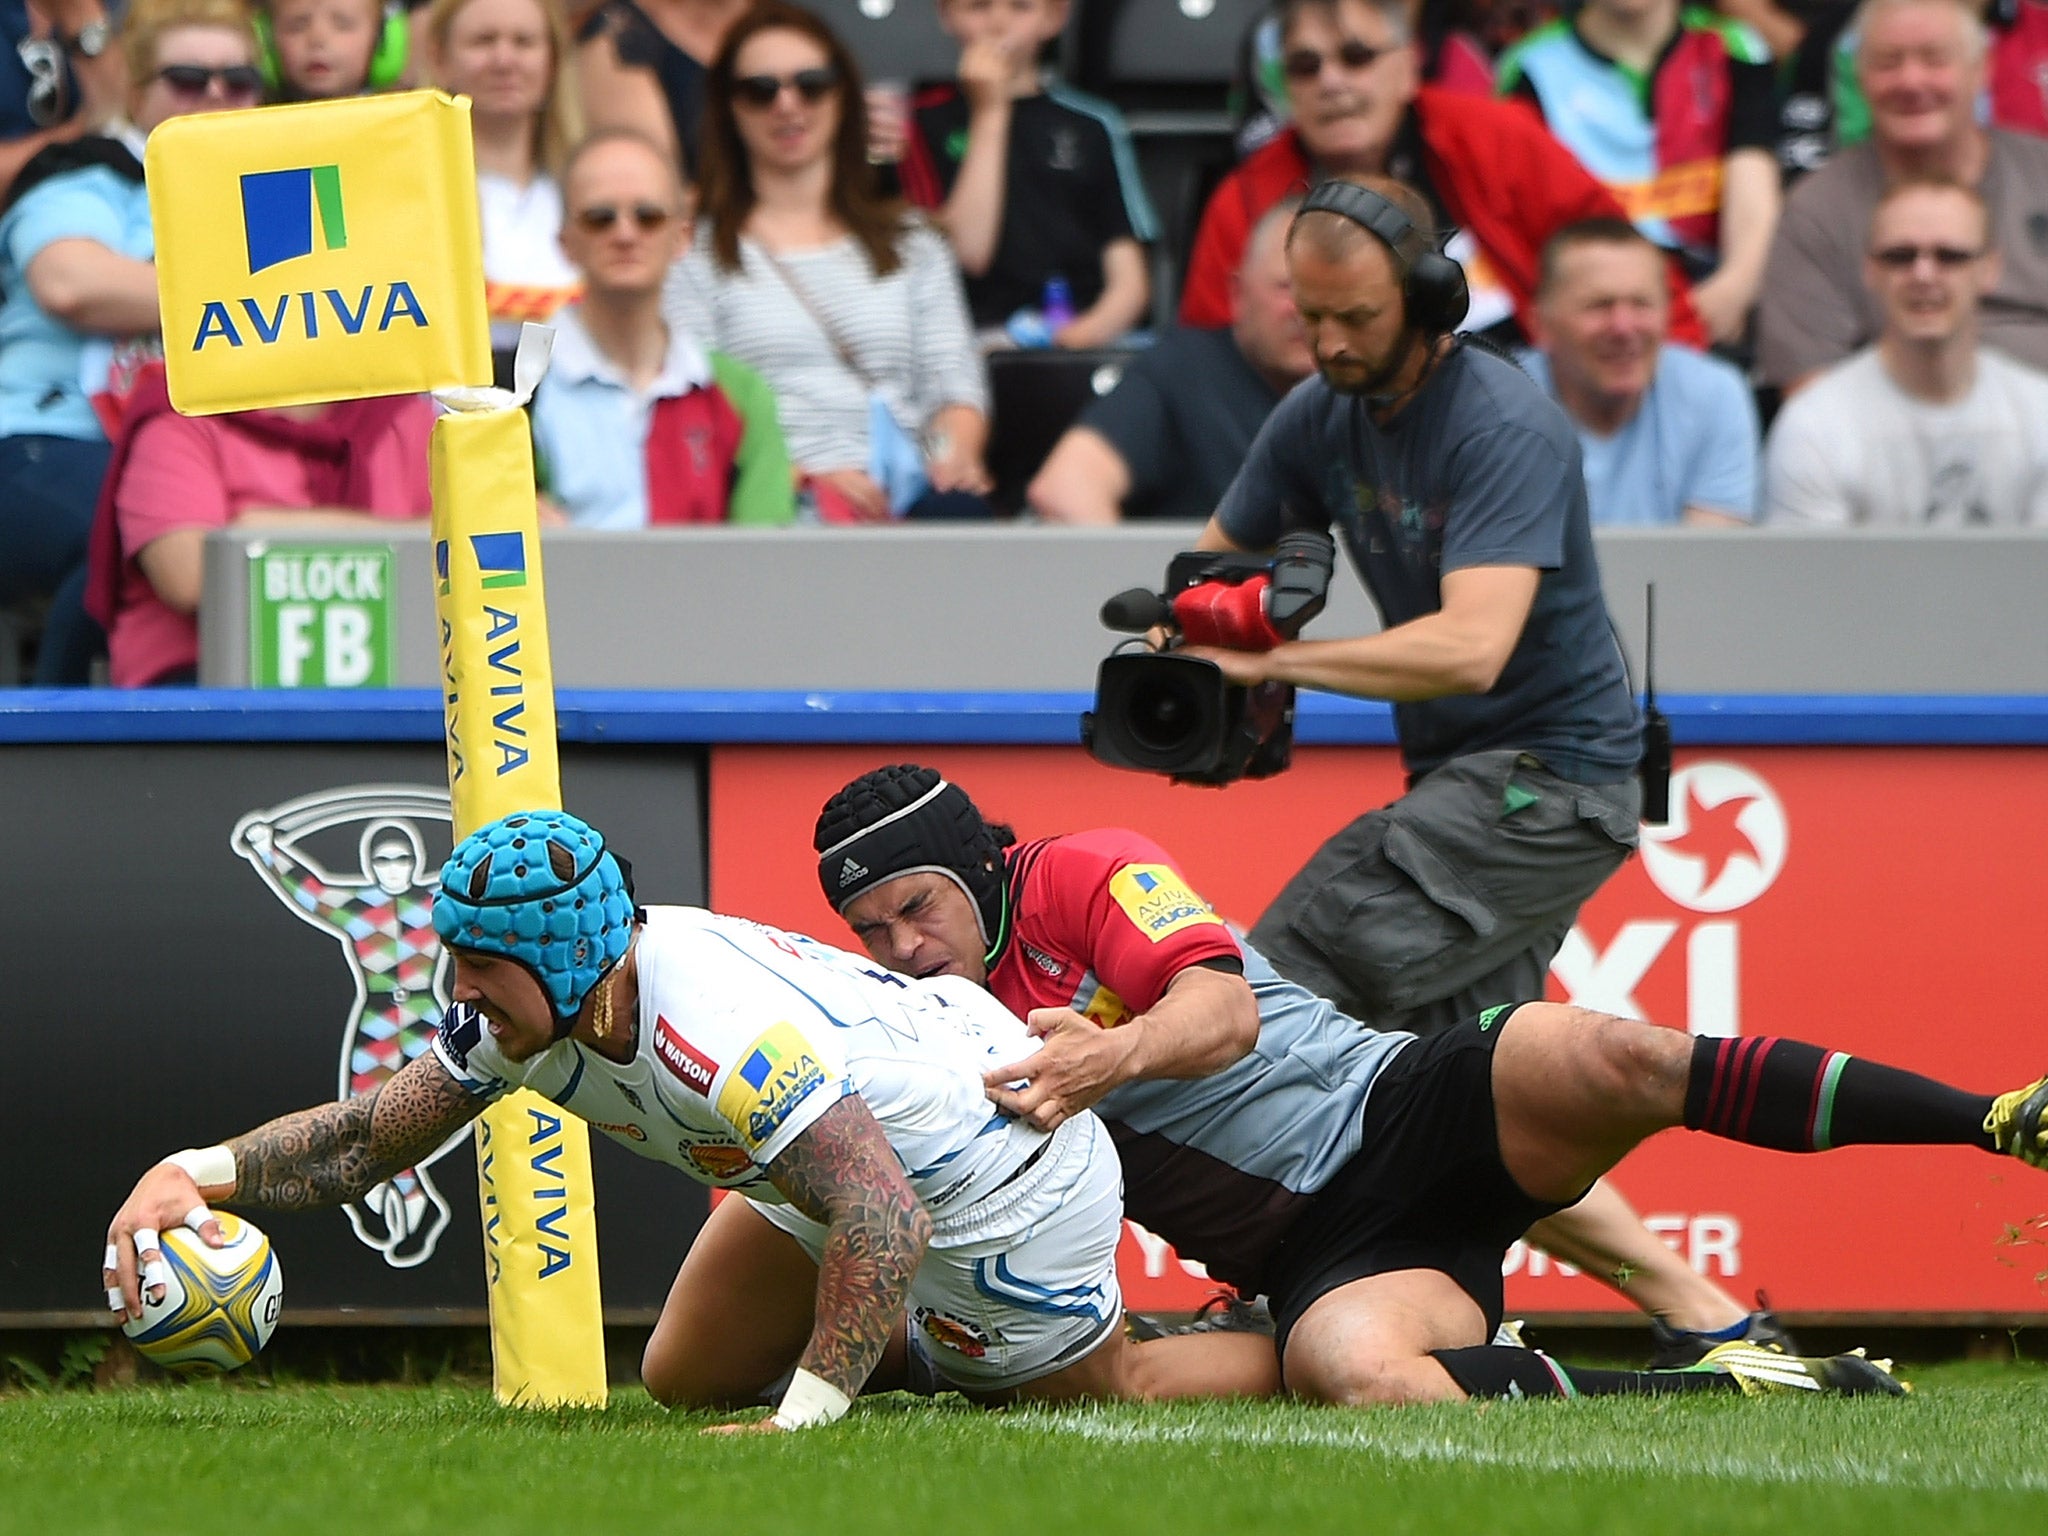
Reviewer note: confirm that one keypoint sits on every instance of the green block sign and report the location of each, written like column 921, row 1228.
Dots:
column 320, row 616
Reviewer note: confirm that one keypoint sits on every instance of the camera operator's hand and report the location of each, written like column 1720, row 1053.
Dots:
column 1079, row 1063
column 1246, row 667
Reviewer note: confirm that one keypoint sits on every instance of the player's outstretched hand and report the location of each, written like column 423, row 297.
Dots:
column 1079, row 1062
column 766, row 1426
column 164, row 1197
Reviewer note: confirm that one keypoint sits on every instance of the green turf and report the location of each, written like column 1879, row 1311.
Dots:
column 1968, row 1452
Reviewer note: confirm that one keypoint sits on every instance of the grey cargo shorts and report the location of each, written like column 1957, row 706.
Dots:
column 1453, row 898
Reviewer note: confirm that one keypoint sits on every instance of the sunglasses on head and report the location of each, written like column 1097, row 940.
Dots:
column 646, row 217
column 1902, row 257
column 43, row 58
column 813, row 85
column 193, row 79
column 1307, row 63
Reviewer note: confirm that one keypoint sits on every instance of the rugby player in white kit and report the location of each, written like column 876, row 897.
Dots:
column 845, row 1104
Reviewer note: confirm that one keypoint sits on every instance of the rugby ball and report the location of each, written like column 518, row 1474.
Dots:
column 219, row 1304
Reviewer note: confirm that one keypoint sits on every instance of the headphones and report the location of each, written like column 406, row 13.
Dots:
column 387, row 59
column 1432, row 284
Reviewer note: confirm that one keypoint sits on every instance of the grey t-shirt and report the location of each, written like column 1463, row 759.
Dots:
column 1182, row 419
column 1480, row 468
column 1813, row 310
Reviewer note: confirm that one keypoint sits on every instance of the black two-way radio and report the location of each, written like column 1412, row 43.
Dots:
column 1655, row 768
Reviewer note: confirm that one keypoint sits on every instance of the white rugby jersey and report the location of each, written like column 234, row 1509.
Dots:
column 748, row 1034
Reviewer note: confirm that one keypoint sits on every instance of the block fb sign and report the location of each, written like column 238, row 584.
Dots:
column 320, row 616
column 323, row 251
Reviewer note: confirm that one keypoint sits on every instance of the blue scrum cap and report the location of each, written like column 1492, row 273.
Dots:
column 540, row 888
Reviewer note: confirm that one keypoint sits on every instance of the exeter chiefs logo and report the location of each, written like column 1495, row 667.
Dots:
column 381, row 914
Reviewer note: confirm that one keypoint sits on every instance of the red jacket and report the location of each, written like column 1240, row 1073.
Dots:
column 1494, row 167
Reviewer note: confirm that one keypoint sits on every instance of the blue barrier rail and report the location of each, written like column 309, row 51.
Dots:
column 597, row 716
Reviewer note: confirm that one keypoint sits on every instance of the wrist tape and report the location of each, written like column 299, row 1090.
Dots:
column 210, row 1167
column 810, row 1400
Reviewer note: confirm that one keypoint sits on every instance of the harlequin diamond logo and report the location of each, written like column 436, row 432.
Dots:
column 1725, row 843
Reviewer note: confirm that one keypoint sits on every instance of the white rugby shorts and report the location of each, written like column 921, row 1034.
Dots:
column 1021, row 1282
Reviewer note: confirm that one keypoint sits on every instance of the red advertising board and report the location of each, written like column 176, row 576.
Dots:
column 1881, row 900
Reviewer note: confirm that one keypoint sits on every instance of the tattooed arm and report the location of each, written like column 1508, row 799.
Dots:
column 336, row 1152
column 319, row 1156
column 843, row 1172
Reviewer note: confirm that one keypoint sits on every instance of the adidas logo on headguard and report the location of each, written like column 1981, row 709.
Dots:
column 851, row 871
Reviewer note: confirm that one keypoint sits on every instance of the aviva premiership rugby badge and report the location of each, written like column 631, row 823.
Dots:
column 771, row 1080
column 1158, row 900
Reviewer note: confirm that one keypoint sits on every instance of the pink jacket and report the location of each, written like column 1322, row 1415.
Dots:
column 170, row 472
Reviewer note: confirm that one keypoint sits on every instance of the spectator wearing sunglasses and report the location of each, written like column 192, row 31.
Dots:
column 511, row 59
column 78, row 300
column 59, row 78
column 636, row 425
column 1486, row 168
column 1921, row 65
column 1927, row 427
column 850, row 308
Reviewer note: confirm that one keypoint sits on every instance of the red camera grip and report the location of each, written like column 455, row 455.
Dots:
column 1229, row 614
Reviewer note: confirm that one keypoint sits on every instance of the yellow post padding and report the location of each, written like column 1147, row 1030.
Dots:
column 327, row 251
column 332, row 251
column 533, row 1158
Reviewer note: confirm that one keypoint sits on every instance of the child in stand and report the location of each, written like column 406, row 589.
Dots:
column 321, row 50
column 1035, row 185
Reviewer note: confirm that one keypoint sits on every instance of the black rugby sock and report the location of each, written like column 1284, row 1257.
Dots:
column 1500, row 1370
column 1795, row 1097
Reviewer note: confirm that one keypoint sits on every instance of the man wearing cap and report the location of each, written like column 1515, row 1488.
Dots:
column 843, row 1103
column 1368, row 1182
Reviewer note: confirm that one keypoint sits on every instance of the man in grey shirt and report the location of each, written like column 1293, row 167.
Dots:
column 1921, row 64
column 1926, row 428
column 1457, row 487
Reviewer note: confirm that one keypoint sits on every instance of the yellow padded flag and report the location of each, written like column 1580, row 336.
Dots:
column 326, row 251
column 533, row 1159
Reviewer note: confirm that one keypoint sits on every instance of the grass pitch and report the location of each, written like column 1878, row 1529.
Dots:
column 1968, row 1452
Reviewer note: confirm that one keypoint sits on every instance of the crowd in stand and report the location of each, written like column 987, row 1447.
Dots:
column 779, row 292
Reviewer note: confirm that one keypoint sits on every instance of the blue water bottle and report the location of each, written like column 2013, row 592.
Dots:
column 1058, row 307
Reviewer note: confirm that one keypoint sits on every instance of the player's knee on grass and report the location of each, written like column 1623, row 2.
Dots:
column 1362, row 1380
column 678, row 1377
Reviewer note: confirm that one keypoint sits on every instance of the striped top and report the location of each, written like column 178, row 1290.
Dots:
column 908, row 331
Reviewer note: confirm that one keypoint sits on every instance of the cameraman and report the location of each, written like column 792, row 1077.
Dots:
column 1456, row 484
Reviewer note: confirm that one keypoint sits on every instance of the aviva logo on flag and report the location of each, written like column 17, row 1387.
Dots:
column 501, row 557
column 324, row 251
column 278, row 212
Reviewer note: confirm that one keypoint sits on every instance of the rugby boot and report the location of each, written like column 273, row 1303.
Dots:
column 1766, row 1372
column 2015, row 1123
column 1221, row 1313
column 1674, row 1347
